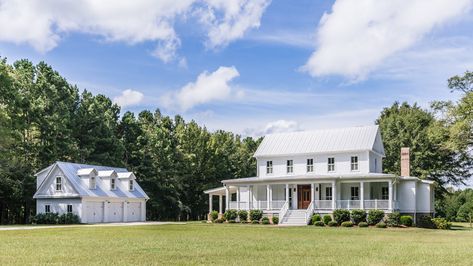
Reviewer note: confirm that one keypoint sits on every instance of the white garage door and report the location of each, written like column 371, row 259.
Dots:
column 94, row 212
column 115, row 212
column 134, row 212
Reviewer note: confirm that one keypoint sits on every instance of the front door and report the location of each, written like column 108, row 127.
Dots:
column 303, row 196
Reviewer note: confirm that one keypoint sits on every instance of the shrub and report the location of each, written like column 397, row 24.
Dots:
column 332, row 224
column 256, row 215
column 363, row 224
column 255, row 222
column 315, row 218
column 406, row 220
column 394, row 219
column 46, row 218
column 265, row 220
column 319, row 223
column 375, row 216
column 275, row 220
column 243, row 215
column 347, row 224
column 327, row 218
column 230, row 215
column 213, row 215
column 231, row 221
column 219, row 221
column 381, row 225
column 341, row 216
column 425, row 221
column 442, row 223
column 358, row 216
column 68, row 218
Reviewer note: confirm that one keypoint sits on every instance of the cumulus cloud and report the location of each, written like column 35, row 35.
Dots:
column 129, row 98
column 42, row 24
column 229, row 20
column 208, row 87
column 356, row 36
column 278, row 126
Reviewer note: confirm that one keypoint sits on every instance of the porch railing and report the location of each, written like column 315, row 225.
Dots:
column 348, row 204
column 322, row 204
column 283, row 211
column 317, row 204
column 309, row 212
column 376, row 204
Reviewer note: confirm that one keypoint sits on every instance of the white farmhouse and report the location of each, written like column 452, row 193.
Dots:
column 302, row 173
column 97, row 194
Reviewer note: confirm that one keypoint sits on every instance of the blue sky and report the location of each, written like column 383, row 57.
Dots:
column 252, row 67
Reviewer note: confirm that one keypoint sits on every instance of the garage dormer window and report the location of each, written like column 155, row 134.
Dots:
column 131, row 185
column 58, row 183
column 269, row 167
column 331, row 164
column 290, row 166
column 112, row 184
column 354, row 163
column 92, row 183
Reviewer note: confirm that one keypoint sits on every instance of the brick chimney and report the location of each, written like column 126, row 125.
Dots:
column 405, row 162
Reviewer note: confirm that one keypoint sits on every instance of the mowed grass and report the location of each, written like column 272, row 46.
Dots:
column 235, row 244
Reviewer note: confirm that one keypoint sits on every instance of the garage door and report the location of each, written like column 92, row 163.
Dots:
column 115, row 212
column 94, row 212
column 134, row 212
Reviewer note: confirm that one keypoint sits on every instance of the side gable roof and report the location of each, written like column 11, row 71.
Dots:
column 366, row 138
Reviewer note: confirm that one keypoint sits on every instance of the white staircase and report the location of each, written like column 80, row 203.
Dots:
column 294, row 217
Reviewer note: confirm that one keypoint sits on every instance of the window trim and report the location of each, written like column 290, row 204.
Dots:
column 290, row 166
column 131, row 185
column 310, row 167
column 331, row 166
column 357, row 163
column 113, row 184
column 58, row 184
column 47, row 208
column 92, row 181
column 269, row 167
column 383, row 195
column 327, row 196
column 352, row 190
column 67, row 208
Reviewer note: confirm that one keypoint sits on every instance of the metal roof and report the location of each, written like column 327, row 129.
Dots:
column 71, row 171
column 365, row 138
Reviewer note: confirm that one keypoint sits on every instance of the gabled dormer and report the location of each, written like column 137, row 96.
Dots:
column 109, row 179
column 127, row 179
column 89, row 176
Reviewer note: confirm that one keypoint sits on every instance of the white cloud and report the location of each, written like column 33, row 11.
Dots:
column 278, row 126
column 230, row 20
column 208, row 87
column 129, row 98
column 357, row 36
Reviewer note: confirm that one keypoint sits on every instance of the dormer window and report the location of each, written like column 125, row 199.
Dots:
column 131, row 185
column 354, row 163
column 331, row 164
column 269, row 167
column 290, row 166
column 310, row 165
column 112, row 184
column 92, row 183
column 58, row 183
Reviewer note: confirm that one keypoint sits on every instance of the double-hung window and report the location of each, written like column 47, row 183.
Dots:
column 328, row 193
column 69, row 208
column 58, row 183
column 355, row 193
column 331, row 164
column 130, row 185
column 47, row 208
column 354, row 163
column 310, row 165
column 385, row 193
column 290, row 166
column 112, row 184
column 269, row 167
column 92, row 183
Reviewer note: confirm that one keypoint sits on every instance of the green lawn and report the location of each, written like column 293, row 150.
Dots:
column 236, row 244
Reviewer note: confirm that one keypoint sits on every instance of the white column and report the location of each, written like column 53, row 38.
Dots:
column 270, row 197
column 125, row 211
column 362, row 195
column 334, row 195
column 143, row 211
column 105, row 211
column 267, row 197
column 220, row 200
column 227, row 198
column 287, row 192
column 238, row 198
column 250, row 196
column 210, row 203
column 312, row 192
column 390, row 189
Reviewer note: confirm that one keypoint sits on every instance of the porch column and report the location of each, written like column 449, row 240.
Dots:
column 267, row 197
column 210, row 203
column 238, row 198
column 390, row 193
column 227, row 198
column 334, row 195
column 312, row 193
column 250, row 196
column 287, row 192
column 220, row 199
column 362, row 195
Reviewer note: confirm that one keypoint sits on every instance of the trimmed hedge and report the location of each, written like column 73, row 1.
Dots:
column 219, row 221
column 341, row 216
column 256, row 215
column 347, row 224
column 406, row 220
column 358, row 216
column 243, row 215
column 363, row 224
column 315, row 218
column 381, row 225
column 332, row 224
column 375, row 216
column 442, row 223
column 319, row 223
column 213, row 215
column 230, row 215
column 394, row 219
column 327, row 219
column 55, row 218
column 275, row 220
column 265, row 220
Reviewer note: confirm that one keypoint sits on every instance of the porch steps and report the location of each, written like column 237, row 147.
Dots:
column 293, row 217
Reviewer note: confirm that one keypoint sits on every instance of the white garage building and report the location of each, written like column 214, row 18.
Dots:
column 97, row 194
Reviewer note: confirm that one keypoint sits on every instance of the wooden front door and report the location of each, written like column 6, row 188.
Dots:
column 303, row 196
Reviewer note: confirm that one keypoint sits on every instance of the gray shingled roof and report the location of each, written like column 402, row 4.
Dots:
column 366, row 138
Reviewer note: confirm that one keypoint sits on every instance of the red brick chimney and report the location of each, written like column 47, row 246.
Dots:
column 405, row 162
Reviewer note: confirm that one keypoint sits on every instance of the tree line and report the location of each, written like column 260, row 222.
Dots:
column 44, row 118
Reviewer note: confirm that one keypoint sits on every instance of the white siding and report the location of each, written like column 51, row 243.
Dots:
column 406, row 195
column 375, row 163
column 59, row 205
column 50, row 185
column 424, row 198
